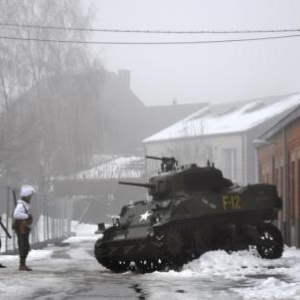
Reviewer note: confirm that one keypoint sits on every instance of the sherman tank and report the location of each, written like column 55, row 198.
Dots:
column 191, row 210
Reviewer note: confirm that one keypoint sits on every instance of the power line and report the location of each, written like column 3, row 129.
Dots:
column 149, row 43
column 149, row 31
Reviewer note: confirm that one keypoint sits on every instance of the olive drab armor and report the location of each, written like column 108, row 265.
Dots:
column 193, row 210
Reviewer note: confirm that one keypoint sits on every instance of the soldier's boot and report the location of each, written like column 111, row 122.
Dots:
column 23, row 266
column 1, row 266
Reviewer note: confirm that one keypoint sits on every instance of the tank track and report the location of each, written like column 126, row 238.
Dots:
column 115, row 265
column 180, row 244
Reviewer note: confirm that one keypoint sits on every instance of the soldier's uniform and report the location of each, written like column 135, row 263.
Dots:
column 22, row 220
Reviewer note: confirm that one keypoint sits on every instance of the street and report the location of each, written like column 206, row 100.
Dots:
column 63, row 275
column 70, row 271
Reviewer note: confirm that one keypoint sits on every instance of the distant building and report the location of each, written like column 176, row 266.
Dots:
column 221, row 133
column 96, row 192
column 130, row 120
column 278, row 157
column 124, row 122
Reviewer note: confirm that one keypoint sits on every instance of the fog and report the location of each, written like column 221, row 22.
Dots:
column 201, row 72
column 65, row 104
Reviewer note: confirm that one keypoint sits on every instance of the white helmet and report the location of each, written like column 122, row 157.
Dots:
column 26, row 191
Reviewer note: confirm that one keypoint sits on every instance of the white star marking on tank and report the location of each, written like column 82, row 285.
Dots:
column 145, row 216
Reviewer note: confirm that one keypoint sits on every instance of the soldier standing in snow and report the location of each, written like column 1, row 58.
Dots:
column 21, row 224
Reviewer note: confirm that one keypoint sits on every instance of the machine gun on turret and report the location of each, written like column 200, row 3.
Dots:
column 167, row 163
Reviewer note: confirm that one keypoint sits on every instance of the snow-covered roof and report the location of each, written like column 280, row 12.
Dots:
column 226, row 119
column 121, row 167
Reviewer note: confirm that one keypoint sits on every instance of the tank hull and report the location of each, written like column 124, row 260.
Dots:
column 189, row 215
column 180, row 240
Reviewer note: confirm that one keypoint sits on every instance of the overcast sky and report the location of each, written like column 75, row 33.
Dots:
column 202, row 72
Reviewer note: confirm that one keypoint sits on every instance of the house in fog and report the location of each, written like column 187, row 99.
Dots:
column 123, row 121
column 221, row 133
column 128, row 120
column 278, row 157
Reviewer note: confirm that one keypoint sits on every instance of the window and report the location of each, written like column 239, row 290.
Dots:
column 281, row 181
column 273, row 179
column 229, row 162
column 276, row 182
column 292, row 205
column 267, row 179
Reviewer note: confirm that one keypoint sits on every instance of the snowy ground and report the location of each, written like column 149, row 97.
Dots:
column 70, row 271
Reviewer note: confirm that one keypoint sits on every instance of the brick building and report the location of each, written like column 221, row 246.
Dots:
column 278, row 161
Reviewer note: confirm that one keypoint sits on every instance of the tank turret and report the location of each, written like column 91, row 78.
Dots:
column 192, row 210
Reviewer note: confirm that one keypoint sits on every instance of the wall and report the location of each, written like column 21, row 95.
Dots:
column 279, row 164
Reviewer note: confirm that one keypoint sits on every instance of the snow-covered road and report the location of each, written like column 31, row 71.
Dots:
column 70, row 271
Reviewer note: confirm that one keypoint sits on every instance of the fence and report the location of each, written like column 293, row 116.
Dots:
column 52, row 219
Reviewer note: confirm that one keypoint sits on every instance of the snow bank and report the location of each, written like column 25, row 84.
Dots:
column 215, row 275
column 248, row 275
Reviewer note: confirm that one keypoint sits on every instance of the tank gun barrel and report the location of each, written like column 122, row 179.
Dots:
column 146, row 185
column 154, row 157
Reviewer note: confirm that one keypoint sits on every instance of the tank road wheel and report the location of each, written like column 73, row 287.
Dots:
column 160, row 264
column 173, row 245
column 114, row 265
column 117, row 266
column 270, row 244
column 198, row 244
column 99, row 250
column 150, row 265
column 222, row 241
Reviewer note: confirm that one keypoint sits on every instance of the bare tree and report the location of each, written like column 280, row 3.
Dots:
column 29, row 71
column 192, row 147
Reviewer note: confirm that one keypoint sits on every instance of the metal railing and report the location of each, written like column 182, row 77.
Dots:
column 52, row 219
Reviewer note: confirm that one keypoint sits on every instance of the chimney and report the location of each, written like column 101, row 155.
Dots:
column 124, row 77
